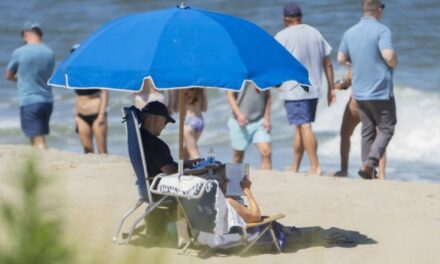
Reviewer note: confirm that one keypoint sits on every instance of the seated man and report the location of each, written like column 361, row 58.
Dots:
column 154, row 117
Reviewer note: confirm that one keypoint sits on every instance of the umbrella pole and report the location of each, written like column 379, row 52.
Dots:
column 182, row 113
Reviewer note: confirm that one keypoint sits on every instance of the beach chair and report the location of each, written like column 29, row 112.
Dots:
column 211, row 220
column 137, row 159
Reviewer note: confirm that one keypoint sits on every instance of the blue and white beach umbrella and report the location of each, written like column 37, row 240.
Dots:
column 178, row 48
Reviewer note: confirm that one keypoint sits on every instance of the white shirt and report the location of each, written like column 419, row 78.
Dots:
column 310, row 48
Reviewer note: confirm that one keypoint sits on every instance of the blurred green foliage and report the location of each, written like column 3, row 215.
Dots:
column 32, row 227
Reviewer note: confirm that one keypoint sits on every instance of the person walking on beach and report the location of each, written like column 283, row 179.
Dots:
column 368, row 48
column 250, row 123
column 91, row 117
column 310, row 48
column 349, row 122
column 196, row 103
column 31, row 66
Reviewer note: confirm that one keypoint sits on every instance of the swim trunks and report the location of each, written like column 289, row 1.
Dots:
column 300, row 112
column 35, row 119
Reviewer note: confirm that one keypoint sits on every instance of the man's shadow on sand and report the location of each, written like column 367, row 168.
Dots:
column 316, row 236
column 307, row 237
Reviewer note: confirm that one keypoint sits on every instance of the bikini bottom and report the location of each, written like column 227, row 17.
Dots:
column 195, row 123
column 89, row 119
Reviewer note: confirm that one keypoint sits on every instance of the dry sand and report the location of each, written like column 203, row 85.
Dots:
column 393, row 222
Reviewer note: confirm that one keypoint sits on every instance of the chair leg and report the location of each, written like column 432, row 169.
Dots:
column 118, row 228
column 185, row 248
column 274, row 239
column 150, row 208
column 254, row 241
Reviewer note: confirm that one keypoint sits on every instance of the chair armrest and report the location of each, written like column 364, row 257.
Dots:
column 265, row 220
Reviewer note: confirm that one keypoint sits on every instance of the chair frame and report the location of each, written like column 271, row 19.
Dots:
column 151, row 205
column 194, row 232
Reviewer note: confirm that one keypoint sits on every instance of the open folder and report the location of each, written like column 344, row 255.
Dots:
column 235, row 173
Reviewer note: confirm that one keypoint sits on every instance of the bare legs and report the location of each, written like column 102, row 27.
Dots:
column 86, row 133
column 100, row 132
column 349, row 122
column 305, row 140
column 190, row 138
column 39, row 142
column 265, row 149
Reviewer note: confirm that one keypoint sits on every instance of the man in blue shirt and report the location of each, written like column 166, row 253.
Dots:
column 368, row 49
column 31, row 66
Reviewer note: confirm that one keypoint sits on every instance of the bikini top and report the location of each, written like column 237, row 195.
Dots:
column 86, row 91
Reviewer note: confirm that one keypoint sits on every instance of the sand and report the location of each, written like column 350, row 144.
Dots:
column 392, row 221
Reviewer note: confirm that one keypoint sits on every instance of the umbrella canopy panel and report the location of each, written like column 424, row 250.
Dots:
column 178, row 48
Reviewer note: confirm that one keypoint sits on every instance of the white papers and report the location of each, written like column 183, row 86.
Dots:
column 235, row 173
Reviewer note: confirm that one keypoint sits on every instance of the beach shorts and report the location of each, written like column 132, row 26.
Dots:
column 300, row 112
column 241, row 138
column 35, row 119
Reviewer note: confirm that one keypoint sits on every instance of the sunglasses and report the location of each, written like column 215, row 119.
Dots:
column 382, row 6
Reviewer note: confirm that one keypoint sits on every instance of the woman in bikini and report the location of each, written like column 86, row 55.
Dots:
column 91, row 119
column 196, row 103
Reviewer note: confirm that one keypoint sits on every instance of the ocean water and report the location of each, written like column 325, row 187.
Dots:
column 413, row 153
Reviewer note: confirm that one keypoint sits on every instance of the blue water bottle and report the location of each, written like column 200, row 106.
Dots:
column 282, row 240
column 211, row 156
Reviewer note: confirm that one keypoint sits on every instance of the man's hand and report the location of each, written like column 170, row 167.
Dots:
column 266, row 124
column 331, row 96
column 11, row 76
column 242, row 120
column 246, row 183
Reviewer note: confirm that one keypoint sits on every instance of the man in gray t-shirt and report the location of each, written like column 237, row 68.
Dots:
column 250, row 123
column 31, row 66
column 310, row 48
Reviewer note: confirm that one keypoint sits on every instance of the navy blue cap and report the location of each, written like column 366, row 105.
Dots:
column 158, row 108
column 292, row 10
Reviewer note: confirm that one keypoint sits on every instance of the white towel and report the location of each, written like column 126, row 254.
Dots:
column 183, row 186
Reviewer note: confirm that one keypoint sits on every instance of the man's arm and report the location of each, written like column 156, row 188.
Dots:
column 328, row 68
column 250, row 214
column 11, row 76
column 343, row 59
column 266, row 117
column 242, row 119
column 390, row 57
column 204, row 101
column 169, row 169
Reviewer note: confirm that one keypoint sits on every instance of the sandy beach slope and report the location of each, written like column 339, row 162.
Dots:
column 392, row 222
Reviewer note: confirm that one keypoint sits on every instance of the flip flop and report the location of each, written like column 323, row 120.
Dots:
column 291, row 231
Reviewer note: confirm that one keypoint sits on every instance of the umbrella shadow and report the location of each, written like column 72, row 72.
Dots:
column 140, row 239
column 317, row 236
column 314, row 236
